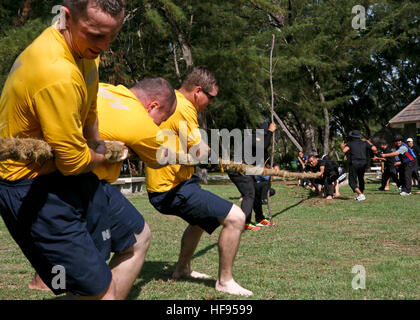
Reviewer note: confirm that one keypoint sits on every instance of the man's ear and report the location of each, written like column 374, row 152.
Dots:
column 67, row 16
column 196, row 90
column 152, row 105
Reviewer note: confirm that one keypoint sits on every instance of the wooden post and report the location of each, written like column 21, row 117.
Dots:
column 270, row 215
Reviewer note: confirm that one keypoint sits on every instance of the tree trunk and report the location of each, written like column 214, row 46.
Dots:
column 178, row 74
column 186, row 50
column 309, row 139
column 326, row 138
column 287, row 131
column 185, row 47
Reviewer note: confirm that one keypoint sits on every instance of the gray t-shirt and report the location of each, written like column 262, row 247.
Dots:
column 402, row 149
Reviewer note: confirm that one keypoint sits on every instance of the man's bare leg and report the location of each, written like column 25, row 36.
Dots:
column 336, row 189
column 125, row 266
column 387, row 184
column 357, row 190
column 189, row 242
column 229, row 239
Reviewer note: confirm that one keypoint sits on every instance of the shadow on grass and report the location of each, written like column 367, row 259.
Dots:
column 292, row 206
column 161, row 270
column 203, row 251
column 311, row 195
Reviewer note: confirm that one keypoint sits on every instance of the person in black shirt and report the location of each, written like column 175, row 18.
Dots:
column 314, row 166
column 408, row 161
column 252, row 196
column 416, row 151
column 329, row 174
column 358, row 151
column 389, row 170
column 301, row 163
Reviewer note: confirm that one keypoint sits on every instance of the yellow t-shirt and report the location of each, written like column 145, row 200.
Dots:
column 122, row 117
column 49, row 95
column 184, row 124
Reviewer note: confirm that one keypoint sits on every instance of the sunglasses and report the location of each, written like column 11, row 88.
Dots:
column 208, row 95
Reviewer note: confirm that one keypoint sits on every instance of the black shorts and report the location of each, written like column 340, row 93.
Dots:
column 69, row 223
column 193, row 204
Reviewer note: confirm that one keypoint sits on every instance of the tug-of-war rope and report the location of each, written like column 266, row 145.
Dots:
column 35, row 150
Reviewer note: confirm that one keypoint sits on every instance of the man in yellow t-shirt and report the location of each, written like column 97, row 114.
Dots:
column 174, row 190
column 133, row 116
column 57, row 211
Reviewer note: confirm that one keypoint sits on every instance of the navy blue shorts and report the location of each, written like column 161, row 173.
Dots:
column 124, row 217
column 68, row 222
column 193, row 204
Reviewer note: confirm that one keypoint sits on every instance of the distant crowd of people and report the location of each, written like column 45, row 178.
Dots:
column 399, row 163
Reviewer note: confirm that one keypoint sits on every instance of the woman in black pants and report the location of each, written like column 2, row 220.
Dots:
column 357, row 151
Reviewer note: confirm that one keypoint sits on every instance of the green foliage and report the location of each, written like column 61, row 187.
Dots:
column 14, row 42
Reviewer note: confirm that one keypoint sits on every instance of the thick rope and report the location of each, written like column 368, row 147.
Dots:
column 34, row 150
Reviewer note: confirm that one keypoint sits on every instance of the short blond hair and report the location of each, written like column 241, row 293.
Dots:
column 78, row 7
column 199, row 76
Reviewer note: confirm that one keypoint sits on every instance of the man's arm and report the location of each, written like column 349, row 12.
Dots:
column 392, row 154
column 322, row 170
column 58, row 110
column 91, row 134
column 268, row 136
column 301, row 162
column 371, row 146
column 344, row 147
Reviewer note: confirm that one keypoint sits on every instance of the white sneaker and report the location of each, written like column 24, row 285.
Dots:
column 405, row 193
column 360, row 197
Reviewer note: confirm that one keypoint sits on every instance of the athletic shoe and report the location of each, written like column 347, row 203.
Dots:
column 251, row 227
column 360, row 197
column 265, row 222
column 405, row 193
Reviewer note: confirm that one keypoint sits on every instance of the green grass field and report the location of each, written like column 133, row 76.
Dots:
column 309, row 254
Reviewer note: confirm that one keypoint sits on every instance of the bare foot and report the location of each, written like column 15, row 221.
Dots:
column 190, row 274
column 329, row 198
column 232, row 287
column 37, row 283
